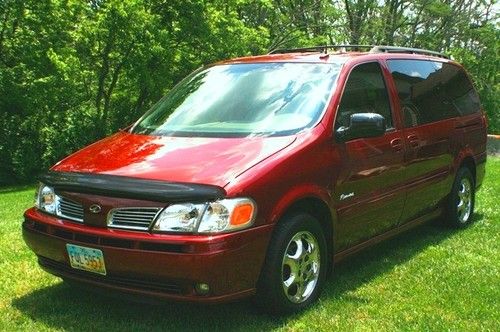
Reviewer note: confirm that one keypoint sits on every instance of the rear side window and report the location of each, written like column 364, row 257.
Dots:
column 364, row 92
column 431, row 91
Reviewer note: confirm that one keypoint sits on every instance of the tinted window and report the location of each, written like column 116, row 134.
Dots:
column 432, row 91
column 243, row 99
column 364, row 92
column 459, row 91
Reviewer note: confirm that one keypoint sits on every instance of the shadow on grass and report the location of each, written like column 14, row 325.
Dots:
column 383, row 257
column 70, row 308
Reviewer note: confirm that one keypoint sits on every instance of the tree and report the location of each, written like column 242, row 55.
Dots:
column 74, row 71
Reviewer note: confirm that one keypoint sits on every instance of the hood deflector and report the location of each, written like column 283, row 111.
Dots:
column 129, row 187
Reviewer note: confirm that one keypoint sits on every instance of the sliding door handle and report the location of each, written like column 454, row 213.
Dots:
column 397, row 144
column 414, row 141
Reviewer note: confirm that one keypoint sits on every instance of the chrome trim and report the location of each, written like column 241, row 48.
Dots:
column 70, row 206
column 300, row 267
column 464, row 204
column 141, row 215
column 95, row 208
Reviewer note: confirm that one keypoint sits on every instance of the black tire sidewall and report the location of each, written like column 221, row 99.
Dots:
column 270, row 295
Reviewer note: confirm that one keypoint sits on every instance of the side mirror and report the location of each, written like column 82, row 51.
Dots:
column 362, row 125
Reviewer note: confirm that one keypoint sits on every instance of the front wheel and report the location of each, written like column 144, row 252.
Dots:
column 460, row 205
column 295, row 266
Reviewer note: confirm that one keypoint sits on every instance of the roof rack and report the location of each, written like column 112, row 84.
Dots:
column 371, row 49
column 319, row 48
column 396, row 49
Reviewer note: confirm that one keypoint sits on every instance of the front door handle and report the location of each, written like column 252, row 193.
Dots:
column 414, row 141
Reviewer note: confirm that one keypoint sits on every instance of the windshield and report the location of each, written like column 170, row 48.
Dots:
column 243, row 99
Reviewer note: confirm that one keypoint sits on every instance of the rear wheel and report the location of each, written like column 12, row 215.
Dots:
column 460, row 205
column 295, row 266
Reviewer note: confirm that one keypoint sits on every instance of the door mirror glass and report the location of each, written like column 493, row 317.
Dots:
column 362, row 125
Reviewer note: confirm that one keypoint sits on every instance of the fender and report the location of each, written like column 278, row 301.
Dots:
column 464, row 153
column 479, row 161
column 307, row 190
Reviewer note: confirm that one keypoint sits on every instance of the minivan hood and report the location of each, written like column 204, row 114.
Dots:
column 203, row 160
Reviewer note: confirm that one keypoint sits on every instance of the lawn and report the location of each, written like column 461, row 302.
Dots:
column 429, row 279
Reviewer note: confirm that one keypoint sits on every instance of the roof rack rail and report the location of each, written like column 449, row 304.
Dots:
column 371, row 49
column 396, row 49
column 319, row 48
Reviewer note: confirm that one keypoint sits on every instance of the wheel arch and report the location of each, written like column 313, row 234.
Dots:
column 315, row 203
column 466, row 159
column 470, row 163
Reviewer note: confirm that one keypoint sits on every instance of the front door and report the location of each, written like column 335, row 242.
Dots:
column 368, row 191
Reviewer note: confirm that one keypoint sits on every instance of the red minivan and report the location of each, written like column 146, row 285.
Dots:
column 253, row 176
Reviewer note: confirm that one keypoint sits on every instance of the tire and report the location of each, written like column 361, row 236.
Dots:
column 460, row 203
column 295, row 267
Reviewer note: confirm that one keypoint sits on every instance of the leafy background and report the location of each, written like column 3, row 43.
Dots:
column 74, row 71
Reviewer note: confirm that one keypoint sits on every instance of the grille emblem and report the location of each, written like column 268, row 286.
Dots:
column 94, row 208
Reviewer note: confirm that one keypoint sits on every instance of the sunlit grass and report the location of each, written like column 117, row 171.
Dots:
column 429, row 279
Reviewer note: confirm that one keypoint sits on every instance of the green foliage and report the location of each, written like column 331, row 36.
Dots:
column 74, row 71
column 482, row 62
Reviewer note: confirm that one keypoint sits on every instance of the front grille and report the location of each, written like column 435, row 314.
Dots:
column 139, row 218
column 69, row 209
column 115, row 280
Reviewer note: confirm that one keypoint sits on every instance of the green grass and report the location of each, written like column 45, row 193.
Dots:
column 429, row 279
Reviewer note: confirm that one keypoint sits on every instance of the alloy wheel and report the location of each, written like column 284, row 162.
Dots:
column 301, row 266
column 464, row 203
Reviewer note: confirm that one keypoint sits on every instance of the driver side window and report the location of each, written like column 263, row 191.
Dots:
column 364, row 92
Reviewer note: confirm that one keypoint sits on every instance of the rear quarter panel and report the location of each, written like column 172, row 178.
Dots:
column 470, row 138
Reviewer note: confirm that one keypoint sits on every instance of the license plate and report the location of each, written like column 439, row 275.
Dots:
column 87, row 259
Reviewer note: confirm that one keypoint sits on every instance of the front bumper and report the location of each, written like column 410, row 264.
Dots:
column 157, row 265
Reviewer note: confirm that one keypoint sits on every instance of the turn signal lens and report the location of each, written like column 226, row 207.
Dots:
column 227, row 215
column 242, row 214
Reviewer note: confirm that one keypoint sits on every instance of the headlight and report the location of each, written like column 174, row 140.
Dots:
column 215, row 217
column 46, row 199
column 227, row 215
column 179, row 218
